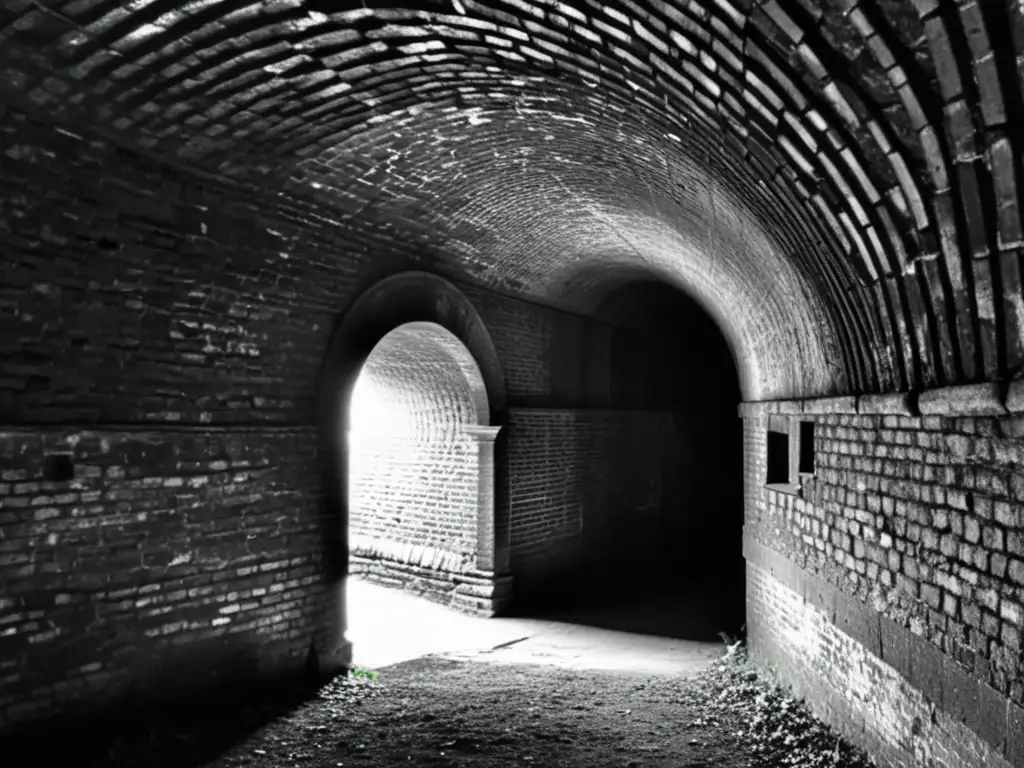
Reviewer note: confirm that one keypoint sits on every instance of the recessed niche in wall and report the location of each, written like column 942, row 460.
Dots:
column 58, row 468
column 778, row 458
column 806, row 466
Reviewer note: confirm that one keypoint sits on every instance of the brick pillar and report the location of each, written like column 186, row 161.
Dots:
column 492, row 555
column 486, row 546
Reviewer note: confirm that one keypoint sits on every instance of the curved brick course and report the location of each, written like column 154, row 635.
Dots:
column 191, row 193
column 837, row 180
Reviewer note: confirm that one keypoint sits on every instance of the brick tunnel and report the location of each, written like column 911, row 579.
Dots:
column 733, row 288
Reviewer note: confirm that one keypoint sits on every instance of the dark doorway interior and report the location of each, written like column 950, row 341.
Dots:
column 691, row 581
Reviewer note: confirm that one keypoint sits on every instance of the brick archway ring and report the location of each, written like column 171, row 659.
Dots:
column 407, row 297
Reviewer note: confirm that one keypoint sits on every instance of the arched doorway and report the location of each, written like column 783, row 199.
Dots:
column 418, row 300
column 698, row 569
column 421, row 467
column 671, row 362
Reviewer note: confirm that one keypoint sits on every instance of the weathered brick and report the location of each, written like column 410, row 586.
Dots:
column 222, row 390
column 453, row 156
column 943, row 596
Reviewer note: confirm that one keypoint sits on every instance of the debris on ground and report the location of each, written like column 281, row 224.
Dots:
column 437, row 711
column 778, row 729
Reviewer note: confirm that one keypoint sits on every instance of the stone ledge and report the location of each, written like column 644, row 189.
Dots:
column 755, row 409
column 484, row 596
column 790, row 489
column 966, row 401
column 897, row 404
column 483, row 433
column 827, row 405
column 917, row 660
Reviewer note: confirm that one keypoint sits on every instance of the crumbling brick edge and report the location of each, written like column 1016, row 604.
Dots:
column 932, row 672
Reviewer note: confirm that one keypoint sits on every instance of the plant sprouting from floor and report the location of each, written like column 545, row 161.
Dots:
column 361, row 673
column 735, row 649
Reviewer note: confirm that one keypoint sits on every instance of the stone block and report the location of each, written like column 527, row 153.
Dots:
column 753, row 410
column 822, row 596
column 960, row 698
column 964, row 401
column 945, row 61
column 897, row 404
column 926, row 668
column 827, row 405
column 1015, row 734
column 991, row 722
column 788, row 407
column 1015, row 396
column 895, row 646
column 859, row 621
column 335, row 660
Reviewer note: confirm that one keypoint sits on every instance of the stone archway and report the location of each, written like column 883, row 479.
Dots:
column 408, row 297
column 421, row 470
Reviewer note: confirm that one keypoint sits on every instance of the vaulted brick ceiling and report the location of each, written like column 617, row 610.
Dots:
column 837, row 182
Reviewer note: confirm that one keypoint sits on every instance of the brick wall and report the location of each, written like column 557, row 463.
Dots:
column 142, row 293
column 172, row 321
column 587, row 486
column 417, row 494
column 167, row 331
column 554, row 359
column 168, row 555
column 609, row 435
column 912, row 527
column 848, row 685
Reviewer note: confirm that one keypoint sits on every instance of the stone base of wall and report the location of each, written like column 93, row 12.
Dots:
column 853, row 690
column 474, row 592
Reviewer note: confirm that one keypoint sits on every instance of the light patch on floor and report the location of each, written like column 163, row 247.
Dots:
column 388, row 627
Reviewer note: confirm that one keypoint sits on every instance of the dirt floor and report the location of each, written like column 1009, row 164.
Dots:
column 448, row 712
column 629, row 684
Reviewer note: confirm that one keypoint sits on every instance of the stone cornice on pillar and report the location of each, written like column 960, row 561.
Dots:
column 481, row 432
column 962, row 401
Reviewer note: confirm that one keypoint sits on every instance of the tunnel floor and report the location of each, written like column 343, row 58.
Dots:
column 457, row 712
column 387, row 626
column 435, row 687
